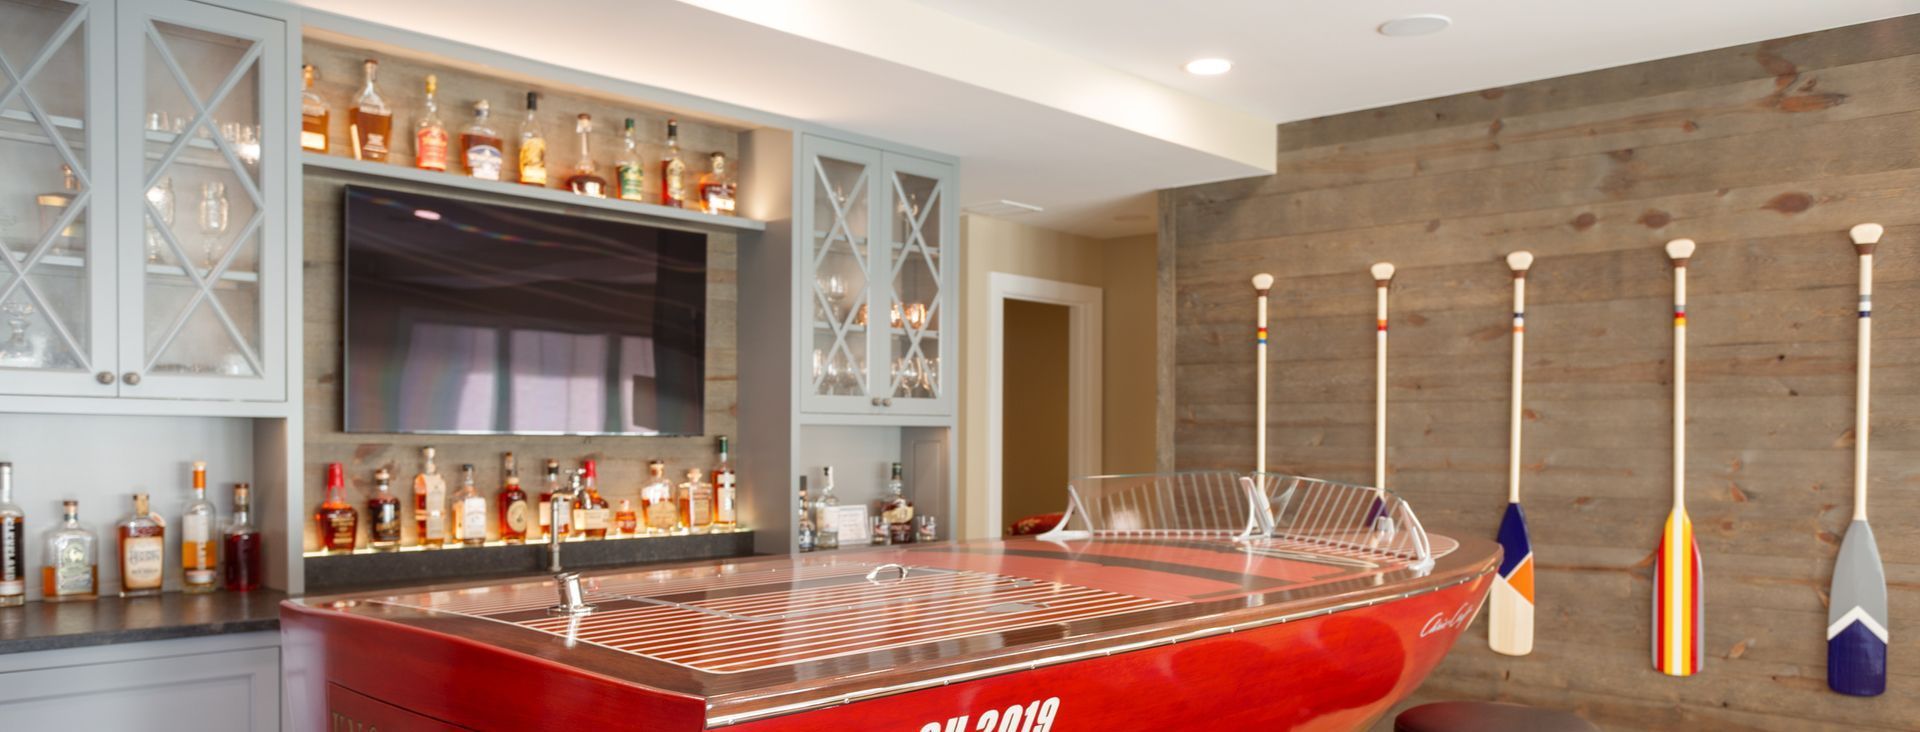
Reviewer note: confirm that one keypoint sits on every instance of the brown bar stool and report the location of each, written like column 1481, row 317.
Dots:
column 1475, row 716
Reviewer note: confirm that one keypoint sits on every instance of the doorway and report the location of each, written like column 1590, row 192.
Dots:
column 1043, row 394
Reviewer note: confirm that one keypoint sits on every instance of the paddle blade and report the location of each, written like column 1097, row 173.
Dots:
column 1678, row 599
column 1857, row 617
column 1510, row 606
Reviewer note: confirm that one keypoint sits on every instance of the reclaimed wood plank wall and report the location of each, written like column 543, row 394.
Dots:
column 1765, row 154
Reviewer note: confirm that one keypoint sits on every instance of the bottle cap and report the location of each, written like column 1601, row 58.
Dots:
column 533, row 101
column 433, row 83
column 383, row 475
column 336, row 475
column 591, row 469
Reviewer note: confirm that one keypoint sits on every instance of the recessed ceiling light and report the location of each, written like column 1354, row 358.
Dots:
column 1425, row 24
column 1209, row 66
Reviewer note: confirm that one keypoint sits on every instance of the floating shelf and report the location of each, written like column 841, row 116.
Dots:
column 515, row 190
column 409, row 566
column 66, row 261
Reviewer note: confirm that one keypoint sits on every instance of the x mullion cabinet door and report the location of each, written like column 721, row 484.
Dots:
column 919, row 279
column 837, row 291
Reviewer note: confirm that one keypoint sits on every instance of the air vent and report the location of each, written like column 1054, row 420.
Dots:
column 1002, row 207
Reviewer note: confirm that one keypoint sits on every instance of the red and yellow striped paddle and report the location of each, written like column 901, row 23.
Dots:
column 1678, row 593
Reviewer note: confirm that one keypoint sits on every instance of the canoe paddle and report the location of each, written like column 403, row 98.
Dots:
column 1382, row 277
column 1510, row 614
column 1857, row 614
column 1262, row 283
column 1677, row 593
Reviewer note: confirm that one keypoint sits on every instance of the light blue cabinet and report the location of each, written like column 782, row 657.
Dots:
column 214, row 684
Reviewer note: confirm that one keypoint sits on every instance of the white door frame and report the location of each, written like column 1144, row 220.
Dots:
column 1083, row 305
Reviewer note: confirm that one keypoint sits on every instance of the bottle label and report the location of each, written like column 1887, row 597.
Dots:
column 633, row 182
column 13, row 556
column 386, row 521
column 311, row 140
column 430, row 149
column 341, row 525
column 517, row 516
column 546, row 514
column 72, row 573
column 676, row 183
column 662, row 515
column 436, row 508
column 485, row 161
column 533, row 162
column 592, row 519
column 473, row 519
column 142, row 562
column 372, row 129
column 699, row 511
column 196, row 548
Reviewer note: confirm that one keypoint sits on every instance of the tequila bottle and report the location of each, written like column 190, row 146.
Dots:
column 372, row 120
column 143, row 550
column 72, row 569
column 480, row 147
column 244, row 548
column 582, row 179
column 726, row 492
column 383, row 514
column 656, row 501
column 469, row 511
column 824, row 511
column 533, row 145
column 430, row 135
column 628, row 168
column 717, row 187
column 696, row 504
column 13, row 543
column 314, row 114
column 673, row 170
column 430, row 503
column 513, row 505
column 196, row 537
column 338, row 524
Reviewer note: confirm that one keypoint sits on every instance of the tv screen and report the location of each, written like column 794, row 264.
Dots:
column 473, row 318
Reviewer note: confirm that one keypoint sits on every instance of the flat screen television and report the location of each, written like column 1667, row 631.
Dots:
column 475, row 318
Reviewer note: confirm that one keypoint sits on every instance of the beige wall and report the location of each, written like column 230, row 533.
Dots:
column 1125, row 270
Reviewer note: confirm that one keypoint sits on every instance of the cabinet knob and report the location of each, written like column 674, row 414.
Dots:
column 104, row 377
column 876, row 401
column 887, row 402
column 132, row 378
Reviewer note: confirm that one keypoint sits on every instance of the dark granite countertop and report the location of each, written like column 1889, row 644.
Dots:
column 43, row 626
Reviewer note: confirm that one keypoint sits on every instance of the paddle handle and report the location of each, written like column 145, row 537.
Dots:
column 1382, row 277
column 1262, row 283
column 1519, row 349
column 1680, row 250
column 1862, row 384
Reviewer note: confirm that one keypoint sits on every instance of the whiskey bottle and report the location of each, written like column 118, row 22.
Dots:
column 625, row 522
column 533, row 145
column 696, row 504
column 480, row 147
column 430, row 503
column 726, row 492
column 196, row 537
column 591, row 515
column 513, row 505
column 673, row 170
column 72, row 569
column 582, row 179
column 552, row 486
column 143, row 550
column 430, row 136
column 13, row 543
column 244, row 549
column 824, row 511
column 806, row 534
column 628, row 168
column 314, row 115
column 656, row 501
column 717, row 187
column 339, row 525
column 469, row 511
column 896, row 509
column 383, row 514
column 372, row 120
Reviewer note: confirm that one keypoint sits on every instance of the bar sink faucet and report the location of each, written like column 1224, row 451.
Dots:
column 573, row 599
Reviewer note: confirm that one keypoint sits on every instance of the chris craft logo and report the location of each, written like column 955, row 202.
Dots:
column 1034, row 716
column 1442, row 621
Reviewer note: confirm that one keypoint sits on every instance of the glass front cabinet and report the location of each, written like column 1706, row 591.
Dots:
column 876, row 282
column 143, row 211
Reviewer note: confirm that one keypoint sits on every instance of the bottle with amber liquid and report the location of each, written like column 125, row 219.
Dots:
column 533, row 145
column 673, row 170
column 717, row 186
column 13, row 544
column 314, row 114
column 480, row 147
column 143, row 550
column 430, row 135
column 244, row 549
column 628, row 169
column 696, row 504
column 383, row 514
column 582, row 179
column 625, row 522
column 592, row 516
column 372, row 120
column 726, row 492
column 72, row 569
column 196, row 537
column 550, row 486
column 657, row 507
column 469, row 510
column 513, row 506
column 338, row 523
column 430, row 503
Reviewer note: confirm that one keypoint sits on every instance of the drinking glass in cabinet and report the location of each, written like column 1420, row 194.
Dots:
column 213, row 218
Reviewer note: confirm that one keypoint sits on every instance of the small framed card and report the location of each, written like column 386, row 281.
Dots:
column 852, row 523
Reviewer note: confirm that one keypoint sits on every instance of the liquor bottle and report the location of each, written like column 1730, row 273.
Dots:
column 591, row 515
column 430, row 503
column 244, row 549
column 717, row 187
column 372, row 120
column 551, row 487
column 383, row 514
column 143, row 550
column 513, row 506
column 533, row 145
column 72, row 569
column 196, row 537
column 625, row 523
column 314, row 115
column 877, row 533
column 823, row 512
column 480, row 147
column 430, row 136
column 726, row 492
column 339, row 525
column 13, row 543
column 808, row 536
column 897, row 510
column 656, row 501
column 673, row 170
column 696, row 504
column 469, row 511
column 630, row 171
column 582, row 179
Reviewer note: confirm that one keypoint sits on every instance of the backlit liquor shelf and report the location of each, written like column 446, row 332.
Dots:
column 415, row 565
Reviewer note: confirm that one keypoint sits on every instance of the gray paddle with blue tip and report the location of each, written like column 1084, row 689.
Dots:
column 1857, row 615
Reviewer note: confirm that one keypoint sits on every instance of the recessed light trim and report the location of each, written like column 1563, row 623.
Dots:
column 1209, row 66
column 1424, row 24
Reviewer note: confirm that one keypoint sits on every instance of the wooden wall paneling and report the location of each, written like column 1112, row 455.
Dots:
column 1766, row 154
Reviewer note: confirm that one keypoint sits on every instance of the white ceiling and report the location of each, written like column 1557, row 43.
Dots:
column 1080, row 106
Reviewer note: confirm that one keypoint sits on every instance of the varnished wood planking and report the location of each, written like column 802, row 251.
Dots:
column 1764, row 153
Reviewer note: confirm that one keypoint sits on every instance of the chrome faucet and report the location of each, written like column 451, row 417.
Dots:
column 560, row 504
